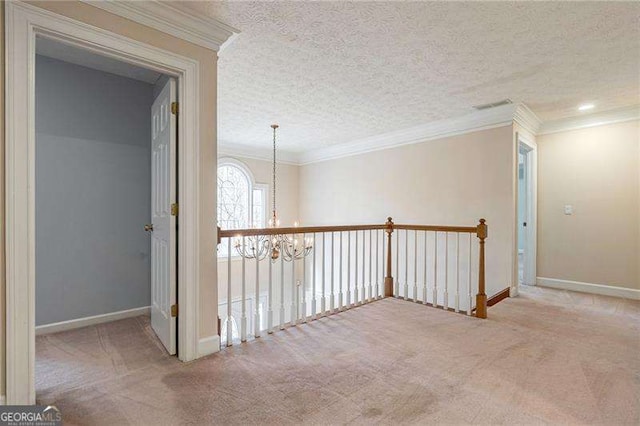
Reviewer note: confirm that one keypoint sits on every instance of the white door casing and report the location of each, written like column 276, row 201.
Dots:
column 163, row 235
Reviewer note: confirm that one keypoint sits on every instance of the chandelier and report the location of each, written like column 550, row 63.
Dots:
column 274, row 246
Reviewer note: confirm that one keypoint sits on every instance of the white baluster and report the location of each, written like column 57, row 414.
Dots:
column 297, row 302
column 415, row 266
column 457, row 272
column 323, row 300
column 348, row 301
column 281, row 291
column 470, row 295
column 229, row 299
column 446, row 271
column 243, row 320
column 435, row 274
column 292, row 315
column 377, row 276
column 270, row 296
column 340, row 306
column 406, row 264
column 304, row 281
column 313, row 279
column 424, row 279
column 256, row 320
column 370, row 298
column 332, row 300
column 382, row 264
column 364, row 248
column 397, row 271
column 355, row 271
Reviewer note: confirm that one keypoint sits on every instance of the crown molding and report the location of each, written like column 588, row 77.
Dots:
column 527, row 119
column 172, row 18
column 256, row 153
column 596, row 119
column 478, row 120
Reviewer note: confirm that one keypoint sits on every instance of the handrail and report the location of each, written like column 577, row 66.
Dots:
column 438, row 228
column 250, row 232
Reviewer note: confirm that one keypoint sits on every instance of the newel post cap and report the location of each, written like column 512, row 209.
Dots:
column 481, row 229
column 389, row 225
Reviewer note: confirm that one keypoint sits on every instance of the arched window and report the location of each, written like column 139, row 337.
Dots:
column 241, row 202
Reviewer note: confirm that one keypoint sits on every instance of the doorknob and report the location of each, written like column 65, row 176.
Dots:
column 148, row 227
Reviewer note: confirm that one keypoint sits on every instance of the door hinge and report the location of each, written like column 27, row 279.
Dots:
column 174, row 209
column 175, row 107
column 174, row 310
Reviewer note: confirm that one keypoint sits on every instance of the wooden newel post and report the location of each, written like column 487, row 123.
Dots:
column 481, row 297
column 388, row 279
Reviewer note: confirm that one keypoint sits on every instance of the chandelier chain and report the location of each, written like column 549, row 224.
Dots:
column 274, row 173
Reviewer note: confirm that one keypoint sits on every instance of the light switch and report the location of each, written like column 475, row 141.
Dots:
column 568, row 209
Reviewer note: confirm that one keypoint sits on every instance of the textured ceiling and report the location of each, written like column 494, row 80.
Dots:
column 332, row 72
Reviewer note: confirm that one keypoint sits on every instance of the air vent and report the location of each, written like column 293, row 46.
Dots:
column 493, row 104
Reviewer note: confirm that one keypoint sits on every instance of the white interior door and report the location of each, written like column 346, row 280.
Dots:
column 527, row 207
column 163, row 229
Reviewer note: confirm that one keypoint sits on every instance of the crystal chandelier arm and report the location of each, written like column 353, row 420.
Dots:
column 254, row 247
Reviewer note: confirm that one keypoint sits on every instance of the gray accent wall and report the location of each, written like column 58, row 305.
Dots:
column 93, row 186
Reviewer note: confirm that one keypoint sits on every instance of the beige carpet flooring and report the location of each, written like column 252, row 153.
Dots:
column 546, row 357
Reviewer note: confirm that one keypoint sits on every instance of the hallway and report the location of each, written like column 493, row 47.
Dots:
column 546, row 356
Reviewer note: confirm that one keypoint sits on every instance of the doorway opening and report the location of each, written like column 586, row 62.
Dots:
column 527, row 206
column 25, row 23
column 105, row 217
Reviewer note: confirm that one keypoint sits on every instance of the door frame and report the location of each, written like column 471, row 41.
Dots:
column 531, row 169
column 23, row 22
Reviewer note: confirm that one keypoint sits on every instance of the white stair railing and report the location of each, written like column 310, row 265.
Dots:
column 434, row 265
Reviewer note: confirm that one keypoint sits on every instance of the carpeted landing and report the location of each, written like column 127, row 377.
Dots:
column 547, row 356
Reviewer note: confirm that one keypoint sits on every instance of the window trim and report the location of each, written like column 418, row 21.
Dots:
column 225, row 161
column 264, row 187
column 250, row 184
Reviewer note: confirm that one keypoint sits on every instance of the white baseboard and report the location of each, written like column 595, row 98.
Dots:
column 208, row 345
column 96, row 319
column 605, row 290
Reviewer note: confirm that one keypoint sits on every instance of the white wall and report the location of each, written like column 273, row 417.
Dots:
column 597, row 171
column 93, row 186
column 450, row 181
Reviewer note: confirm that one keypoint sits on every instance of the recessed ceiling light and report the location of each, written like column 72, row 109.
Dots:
column 586, row 107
